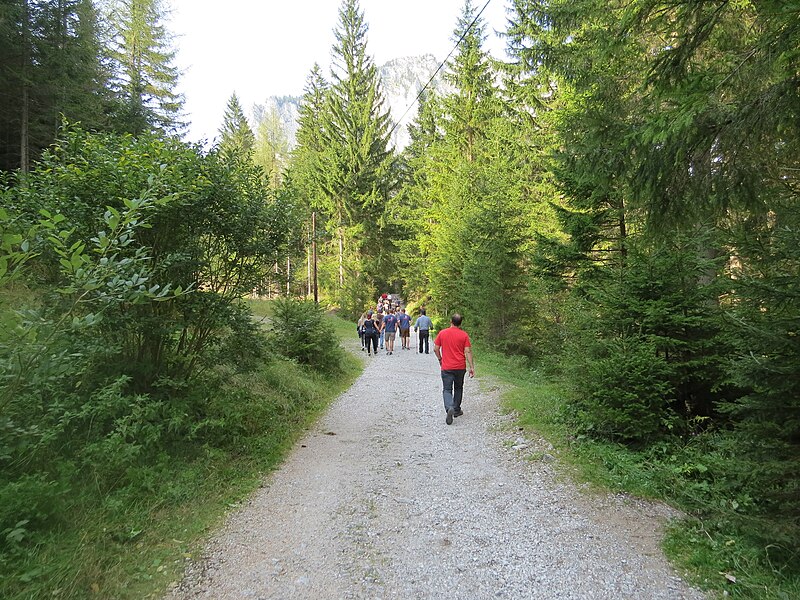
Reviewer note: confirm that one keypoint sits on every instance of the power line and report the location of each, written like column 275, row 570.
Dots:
column 439, row 68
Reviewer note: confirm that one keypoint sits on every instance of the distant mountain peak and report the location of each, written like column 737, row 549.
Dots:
column 402, row 79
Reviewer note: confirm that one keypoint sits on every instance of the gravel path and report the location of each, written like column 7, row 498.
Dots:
column 381, row 499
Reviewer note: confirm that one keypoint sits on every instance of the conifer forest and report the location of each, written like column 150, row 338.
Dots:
column 615, row 206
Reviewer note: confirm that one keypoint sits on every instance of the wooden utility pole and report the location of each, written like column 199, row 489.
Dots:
column 314, row 253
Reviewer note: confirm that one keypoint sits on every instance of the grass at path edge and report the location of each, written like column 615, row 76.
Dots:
column 708, row 554
column 130, row 547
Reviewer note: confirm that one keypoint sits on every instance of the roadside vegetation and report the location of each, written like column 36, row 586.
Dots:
column 139, row 396
column 715, row 545
column 126, row 530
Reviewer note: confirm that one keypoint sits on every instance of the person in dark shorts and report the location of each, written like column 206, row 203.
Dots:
column 390, row 330
column 404, row 324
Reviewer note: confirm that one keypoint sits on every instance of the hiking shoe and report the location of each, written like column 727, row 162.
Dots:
column 458, row 413
column 449, row 418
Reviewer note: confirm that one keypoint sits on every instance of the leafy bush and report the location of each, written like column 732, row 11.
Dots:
column 299, row 331
column 626, row 394
column 109, row 368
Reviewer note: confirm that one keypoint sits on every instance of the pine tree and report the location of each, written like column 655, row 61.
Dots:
column 235, row 133
column 145, row 77
column 52, row 66
column 358, row 163
column 306, row 164
column 469, row 72
column 272, row 150
column 474, row 212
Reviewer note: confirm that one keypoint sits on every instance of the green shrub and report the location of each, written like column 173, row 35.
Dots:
column 626, row 394
column 300, row 332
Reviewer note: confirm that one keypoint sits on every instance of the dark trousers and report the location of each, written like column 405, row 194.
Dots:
column 373, row 339
column 424, row 335
column 453, row 388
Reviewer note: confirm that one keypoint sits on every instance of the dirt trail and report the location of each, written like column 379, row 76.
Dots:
column 381, row 499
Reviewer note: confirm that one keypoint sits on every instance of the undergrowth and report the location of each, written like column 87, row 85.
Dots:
column 717, row 545
column 131, row 541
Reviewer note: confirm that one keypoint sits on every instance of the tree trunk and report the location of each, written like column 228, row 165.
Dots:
column 314, row 254
column 24, row 134
column 340, row 234
column 623, row 231
column 308, row 272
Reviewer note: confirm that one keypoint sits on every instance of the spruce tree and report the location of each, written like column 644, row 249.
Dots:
column 235, row 133
column 145, row 78
column 358, row 162
column 469, row 72
column 52, row 66
column 272, row 148
column 307, row 165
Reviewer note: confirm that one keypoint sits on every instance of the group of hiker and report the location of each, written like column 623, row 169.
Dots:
column 378, row 328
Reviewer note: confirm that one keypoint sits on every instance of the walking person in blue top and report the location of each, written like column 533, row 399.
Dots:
column 423, row 325
column 404, row 324
column 389, row 329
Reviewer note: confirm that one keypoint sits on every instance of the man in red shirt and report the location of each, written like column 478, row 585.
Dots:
column 452, row 347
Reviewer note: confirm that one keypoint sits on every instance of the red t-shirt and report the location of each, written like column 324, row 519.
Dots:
column 452, row 341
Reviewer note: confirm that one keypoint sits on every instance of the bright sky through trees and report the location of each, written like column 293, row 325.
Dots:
column 262, row 48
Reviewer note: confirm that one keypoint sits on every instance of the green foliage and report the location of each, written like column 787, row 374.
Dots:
column 145, row 79
column 300, row 332
column 708, row 475
column 236, row 136
column 764, row 326
column 129, row 542
column 345, row 169
column 626, row 394
column 52, row 65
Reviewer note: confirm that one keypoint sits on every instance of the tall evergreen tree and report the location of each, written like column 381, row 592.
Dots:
column 358, row 162
column 474, row 214
column 236, row 136
column 469, row 72
column 272, row 149
column 307, row 170
column 145, row 76
column 52, row 66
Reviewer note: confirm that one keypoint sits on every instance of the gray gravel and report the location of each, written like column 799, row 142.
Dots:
column 381, row 499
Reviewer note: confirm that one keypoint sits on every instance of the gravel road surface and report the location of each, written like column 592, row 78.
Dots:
column 382, row 499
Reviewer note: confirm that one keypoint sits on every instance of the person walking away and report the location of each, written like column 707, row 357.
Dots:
column 452, row 348
column 424, row 325
column 390, row 330
column 371, row 329
column 404, row 324
column 360, row 330
column 380, row 326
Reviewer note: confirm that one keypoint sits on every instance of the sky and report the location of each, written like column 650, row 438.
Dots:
column 263, row 48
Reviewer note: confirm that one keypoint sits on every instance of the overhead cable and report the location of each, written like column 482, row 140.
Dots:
column 439, row 68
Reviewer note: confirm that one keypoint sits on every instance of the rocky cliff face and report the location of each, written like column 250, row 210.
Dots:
column 402, row 80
